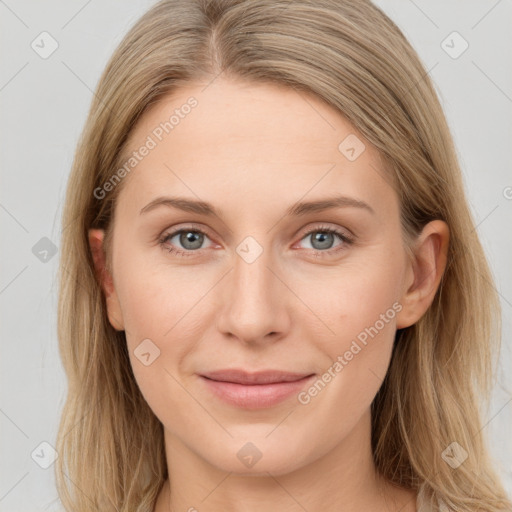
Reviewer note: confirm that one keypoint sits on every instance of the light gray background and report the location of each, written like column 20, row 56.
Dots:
column 44, row 104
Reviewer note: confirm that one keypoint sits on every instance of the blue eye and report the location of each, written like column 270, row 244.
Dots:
column 191, row 240
column 323, row 239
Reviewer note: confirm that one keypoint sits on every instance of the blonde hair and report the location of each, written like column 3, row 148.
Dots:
column 352, row 56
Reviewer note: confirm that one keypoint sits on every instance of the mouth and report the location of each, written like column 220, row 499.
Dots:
column 258, row 390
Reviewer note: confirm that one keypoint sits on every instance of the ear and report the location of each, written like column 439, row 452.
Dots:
column 115, row 316
column 424, row 273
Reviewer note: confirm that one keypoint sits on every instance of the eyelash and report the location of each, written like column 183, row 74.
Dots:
column 319, row 229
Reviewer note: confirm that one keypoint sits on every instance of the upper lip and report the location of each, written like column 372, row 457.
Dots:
column 260, row 377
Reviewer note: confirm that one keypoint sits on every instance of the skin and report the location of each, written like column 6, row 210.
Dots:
column 253, row 150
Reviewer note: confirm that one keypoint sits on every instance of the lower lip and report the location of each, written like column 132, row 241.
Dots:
column 256, row 396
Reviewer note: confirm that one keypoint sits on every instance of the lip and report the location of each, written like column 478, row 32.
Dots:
column 257, row 390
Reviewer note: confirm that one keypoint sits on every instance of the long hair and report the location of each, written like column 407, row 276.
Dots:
column 352, row 56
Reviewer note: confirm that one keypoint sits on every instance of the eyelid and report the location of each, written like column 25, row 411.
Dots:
column 189, row 226
column 172, row 232
column 342, row 231
column 346, row 241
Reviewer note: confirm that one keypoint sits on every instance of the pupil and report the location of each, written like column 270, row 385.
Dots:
column 193, row 238
column 322, row 237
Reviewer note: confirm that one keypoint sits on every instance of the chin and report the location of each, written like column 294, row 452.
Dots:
column 258, row 457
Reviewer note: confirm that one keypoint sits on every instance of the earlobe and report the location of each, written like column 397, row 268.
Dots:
column 427, row 268
column 96, row 237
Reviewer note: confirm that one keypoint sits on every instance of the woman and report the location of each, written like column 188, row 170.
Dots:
column 272, row 293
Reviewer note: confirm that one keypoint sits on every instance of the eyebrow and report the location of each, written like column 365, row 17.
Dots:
column 298, row 209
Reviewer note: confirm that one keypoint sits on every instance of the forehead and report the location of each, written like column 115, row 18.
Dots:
column 249, row 144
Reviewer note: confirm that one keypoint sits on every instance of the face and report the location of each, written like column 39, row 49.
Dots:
column 262, row 283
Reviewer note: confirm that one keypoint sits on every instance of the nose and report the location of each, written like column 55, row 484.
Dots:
column 255, row 301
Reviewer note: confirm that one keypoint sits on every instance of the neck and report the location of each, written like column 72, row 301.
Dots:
column 342, row 479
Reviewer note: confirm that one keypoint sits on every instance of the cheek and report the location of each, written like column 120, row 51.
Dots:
column 165, row 310
column 362, row 316
column 357, row 297
column 156, row 298
column 357, row 308
column 155, row 315
column 164, row 313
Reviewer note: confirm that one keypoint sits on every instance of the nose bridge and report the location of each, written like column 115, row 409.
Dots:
column 252, row 280
column 254, row 305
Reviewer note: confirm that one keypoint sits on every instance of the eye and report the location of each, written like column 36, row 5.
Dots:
column 322, row 239
column 190, row 239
